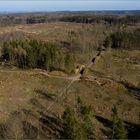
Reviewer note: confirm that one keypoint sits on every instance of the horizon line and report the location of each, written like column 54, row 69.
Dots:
column 49, row 11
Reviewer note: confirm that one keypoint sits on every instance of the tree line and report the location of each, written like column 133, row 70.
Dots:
column 112, row 20
column 77, row 18
column 36, row 19
column 36, row 54
column 124, row 40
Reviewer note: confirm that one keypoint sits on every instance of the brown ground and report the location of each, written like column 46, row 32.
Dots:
column 33, row 91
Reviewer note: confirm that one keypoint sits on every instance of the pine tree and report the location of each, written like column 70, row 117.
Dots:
column 71, row 125
column 78, row 125
column 118, row 130
column 86, row 114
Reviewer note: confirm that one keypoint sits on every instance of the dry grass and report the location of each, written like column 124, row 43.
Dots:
column 30, row 90
column 120, row 65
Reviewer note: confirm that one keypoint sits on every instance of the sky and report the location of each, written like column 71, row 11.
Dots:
column 67, row 5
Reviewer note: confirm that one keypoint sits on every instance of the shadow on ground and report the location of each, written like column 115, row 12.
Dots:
column 132, row 129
